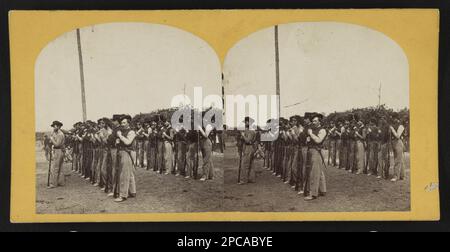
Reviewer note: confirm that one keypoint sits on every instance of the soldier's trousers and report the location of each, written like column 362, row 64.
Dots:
column 247, row 171
column 337, row 160
column 181, row 158
column 104, row 167
column 140, row 153
column 151, row 158
column 145, row 153
column 383, row 161
column 98, row 167
column 343, row 156
column 57, row 177
column 160, row 157
column 115, row 172
column 304, row 155
column 317, row 182
column 332, row 153
column 285, row 173
column 373, row 157
column 295, row 176
column 351, row 156
column 127, row 173
column 360, row 157
column 208, row 167
column 168, row 157
column 399, row 165
column 191, row 159
column 94, row 165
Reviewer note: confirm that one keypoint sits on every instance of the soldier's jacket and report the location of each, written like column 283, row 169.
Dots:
column 249, row 137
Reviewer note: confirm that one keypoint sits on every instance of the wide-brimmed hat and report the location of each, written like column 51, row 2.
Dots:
column 249, row 120
column 56, row 123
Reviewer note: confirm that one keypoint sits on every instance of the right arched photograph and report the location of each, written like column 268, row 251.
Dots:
column 335, row 99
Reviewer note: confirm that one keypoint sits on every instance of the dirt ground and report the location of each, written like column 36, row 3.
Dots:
column 169, row 194
column 346, row 192
column 155, row 193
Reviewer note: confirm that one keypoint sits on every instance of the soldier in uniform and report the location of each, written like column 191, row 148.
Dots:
column 316, row 135
column 104, row 134
column 140, row 145
column 100, row 138
column 373, row 147
column 360, row 137
column 113, row 177
column 332, row 150
column 168, row 137
column 206, row 149
column 126, row 157
column 160, row 152
column 344, row 145
column 181, row 149
column 351, row 147
column 152, row 147
column 192, row 137
column 397, row 130
column 293, row 135
column 383, row 163
column 57, row 138
column 304, row 140
column 248, row 137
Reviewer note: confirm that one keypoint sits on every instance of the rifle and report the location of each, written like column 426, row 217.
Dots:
column 49, row 167
column 240, row 164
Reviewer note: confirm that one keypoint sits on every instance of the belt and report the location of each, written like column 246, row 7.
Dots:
column 58, row 148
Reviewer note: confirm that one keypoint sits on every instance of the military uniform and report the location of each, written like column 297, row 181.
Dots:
column 57, row 138
column 126, row 157
column 399, row 152
column 248, row 151
column 316, row 165
column 181, row 149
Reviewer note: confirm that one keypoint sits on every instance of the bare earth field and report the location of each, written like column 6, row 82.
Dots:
column 155, row 193
column 346, row 192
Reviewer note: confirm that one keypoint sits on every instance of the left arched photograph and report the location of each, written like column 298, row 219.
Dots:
column 106, row 142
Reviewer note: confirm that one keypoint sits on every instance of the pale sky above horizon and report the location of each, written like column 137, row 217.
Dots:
column 129, row 68
column 136, row 67
column 325, row 66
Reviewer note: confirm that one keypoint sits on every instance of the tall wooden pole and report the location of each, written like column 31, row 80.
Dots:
column 277, row 70
column 83, row 95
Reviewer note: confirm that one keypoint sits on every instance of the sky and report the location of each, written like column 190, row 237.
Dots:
column 324, row 66
column 128, row 68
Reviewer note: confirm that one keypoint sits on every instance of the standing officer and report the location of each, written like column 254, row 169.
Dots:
column 152, row 147
column 140, row 138
column 113, row 177
column 168, row 136
column 360, row 156
column 397, row 130
column 181, row 149
column 316, row 135
column 248, row 137
column 192, row 152
column 57, row 177
column 373, row 147
column 333, row 136
column 206, row 149
column 293, row 135
column 383, row 163
column 126, row 155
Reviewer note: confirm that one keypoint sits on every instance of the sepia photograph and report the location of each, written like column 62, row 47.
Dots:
column 105, row 141
column 341, row 121
column 264, row 115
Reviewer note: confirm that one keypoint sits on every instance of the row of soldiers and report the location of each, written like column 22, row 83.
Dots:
column 106, row 153
column 296, row 153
